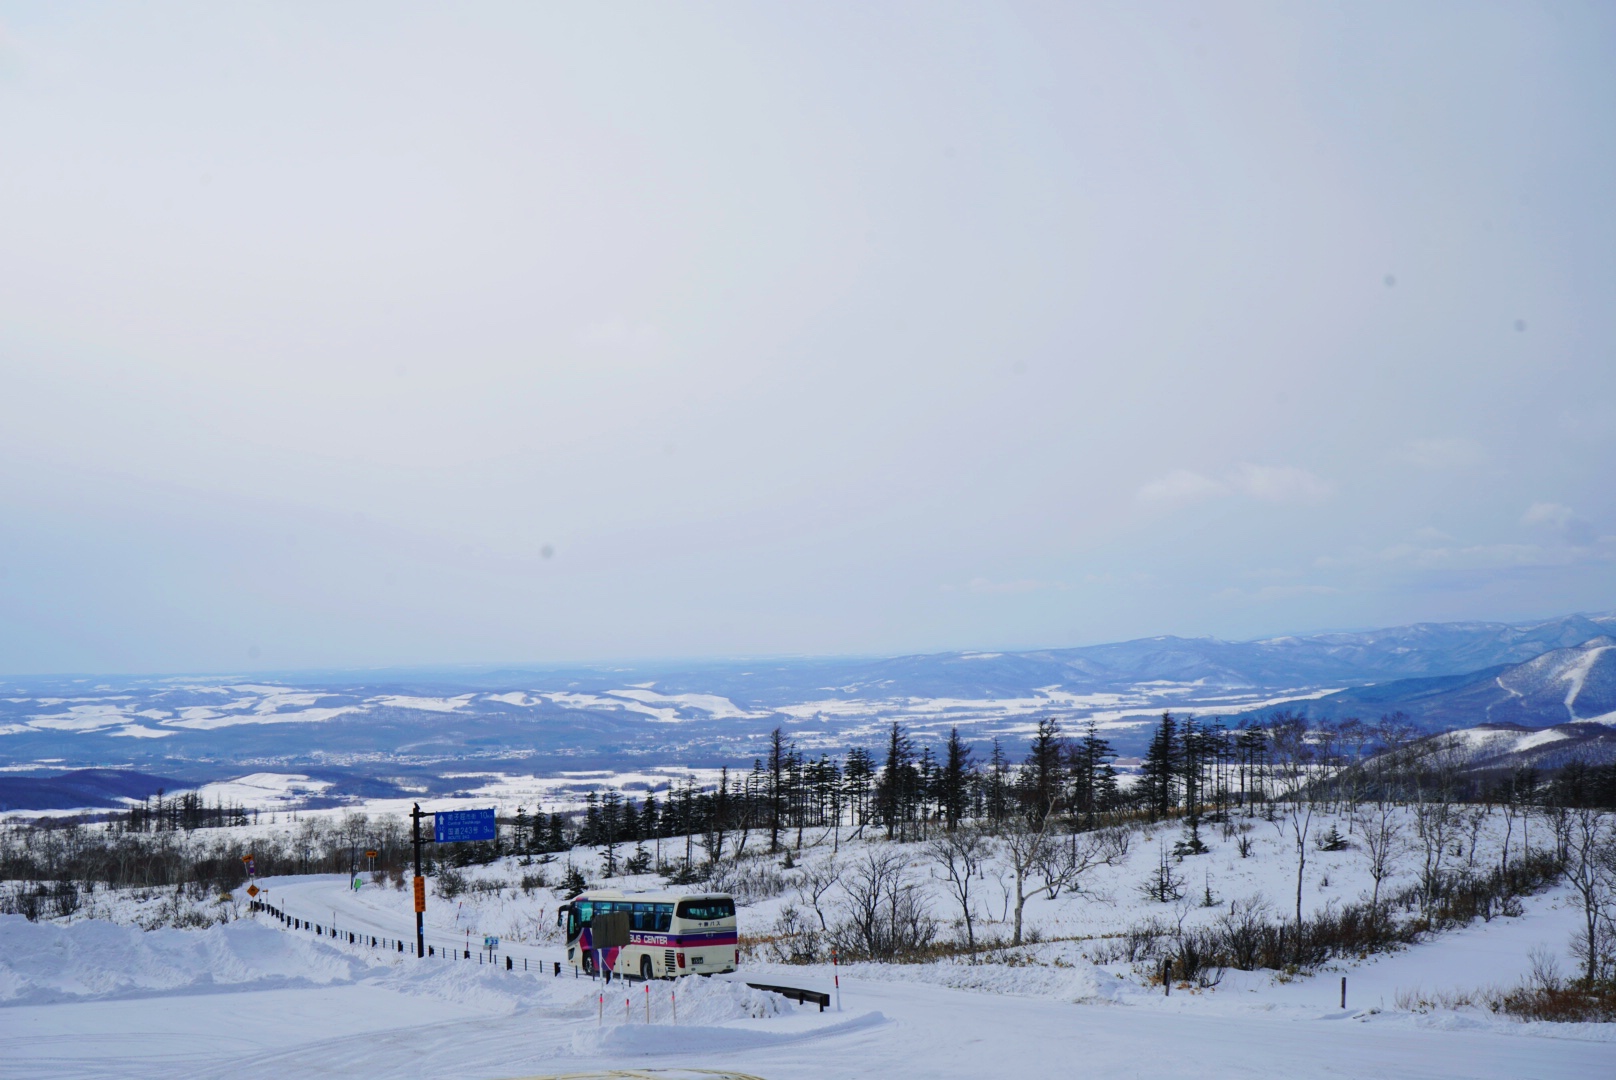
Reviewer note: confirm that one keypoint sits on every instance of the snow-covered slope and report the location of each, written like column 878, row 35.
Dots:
column 1566, row 685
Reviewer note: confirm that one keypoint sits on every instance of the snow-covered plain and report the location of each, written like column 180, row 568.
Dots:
column 98, row 997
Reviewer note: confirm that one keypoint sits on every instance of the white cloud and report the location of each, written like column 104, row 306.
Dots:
column 1181, row 486
column 1270, row 483
column 1279, row 483
column 1562, row 521
column 1439, row 454
column 1547, row 513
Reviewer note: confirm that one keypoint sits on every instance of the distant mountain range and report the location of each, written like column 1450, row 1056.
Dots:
column 1565, row 685
column 382, row 733
column 1421, row 650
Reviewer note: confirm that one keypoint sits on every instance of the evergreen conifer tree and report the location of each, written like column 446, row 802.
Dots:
column 954, row 792
column 1159, row 771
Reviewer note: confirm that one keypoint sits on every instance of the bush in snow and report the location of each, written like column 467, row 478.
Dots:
column 884, row 914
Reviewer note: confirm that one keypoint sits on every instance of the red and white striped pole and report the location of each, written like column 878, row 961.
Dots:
column 836, row 974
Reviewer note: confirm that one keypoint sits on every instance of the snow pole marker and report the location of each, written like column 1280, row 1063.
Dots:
column 627, row 1019
column 600, row 1009
column 648, row 1002
column 673, row 999
column 836, row 974
column 1343, row 991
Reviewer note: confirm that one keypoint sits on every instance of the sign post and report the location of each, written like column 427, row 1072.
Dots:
column 420, row 887
column 608, row 931
column 448, row 826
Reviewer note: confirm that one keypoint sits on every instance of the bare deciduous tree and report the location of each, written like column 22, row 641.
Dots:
column 1382, row 833
column 1590, row 869
column 960, row 855
column 1026, row 843
column 1063, row 864
column 1292, row 756
column 887, row 915
column 815, row 883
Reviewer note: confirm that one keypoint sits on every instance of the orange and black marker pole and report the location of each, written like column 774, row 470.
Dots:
column 420, row 888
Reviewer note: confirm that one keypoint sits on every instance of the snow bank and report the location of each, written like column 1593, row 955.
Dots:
column 712, row 1013
column 714, row 1001
column 94, row 960
column 487, row 988
column 1076, row 981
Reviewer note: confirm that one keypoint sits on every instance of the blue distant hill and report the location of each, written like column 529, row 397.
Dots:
column 385, row 733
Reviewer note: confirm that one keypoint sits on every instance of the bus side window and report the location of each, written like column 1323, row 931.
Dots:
column 664, row 918
column 586, row 911
column 644, row 917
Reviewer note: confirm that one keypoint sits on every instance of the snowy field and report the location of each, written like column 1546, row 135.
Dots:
column 99, row 997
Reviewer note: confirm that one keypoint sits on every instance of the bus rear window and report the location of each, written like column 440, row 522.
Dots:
column 707, row 909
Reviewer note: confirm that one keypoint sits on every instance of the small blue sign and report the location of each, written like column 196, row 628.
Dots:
column 449, row 826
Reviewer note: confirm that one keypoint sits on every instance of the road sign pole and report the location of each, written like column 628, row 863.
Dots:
column 420, row 889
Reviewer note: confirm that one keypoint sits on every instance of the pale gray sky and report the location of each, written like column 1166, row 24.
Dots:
column 356, row 334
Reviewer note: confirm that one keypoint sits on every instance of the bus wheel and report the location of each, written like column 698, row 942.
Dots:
column 645, row 969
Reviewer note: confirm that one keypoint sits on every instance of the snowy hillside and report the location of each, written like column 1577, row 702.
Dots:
column 297, row 1002
column 1567, row 685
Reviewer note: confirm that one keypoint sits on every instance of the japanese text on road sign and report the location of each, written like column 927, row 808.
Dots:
column 449, row 826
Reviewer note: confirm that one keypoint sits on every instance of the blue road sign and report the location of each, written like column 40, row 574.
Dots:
column 449, row 826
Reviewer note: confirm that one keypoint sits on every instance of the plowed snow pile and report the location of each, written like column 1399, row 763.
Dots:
column 708, row 1013
column 43, row 962
column 714, row 1001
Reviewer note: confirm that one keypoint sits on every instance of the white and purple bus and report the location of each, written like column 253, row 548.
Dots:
column 670, row 933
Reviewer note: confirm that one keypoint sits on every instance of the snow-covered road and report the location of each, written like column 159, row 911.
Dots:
column 388, row 913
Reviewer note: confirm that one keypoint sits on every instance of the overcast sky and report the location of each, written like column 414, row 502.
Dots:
column 351, row 335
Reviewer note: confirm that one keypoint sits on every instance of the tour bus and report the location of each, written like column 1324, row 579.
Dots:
column 670, row 933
